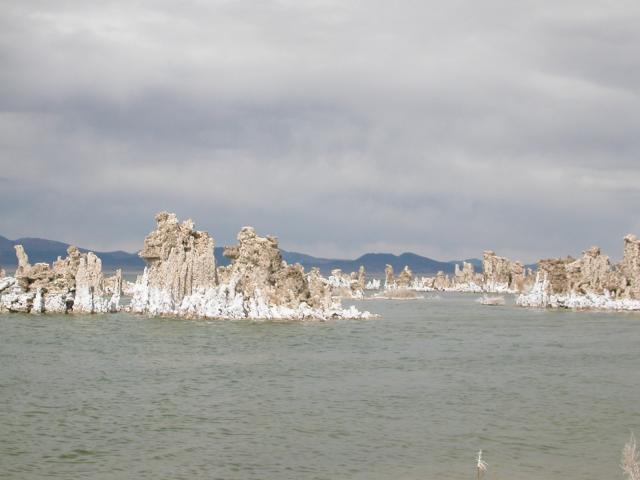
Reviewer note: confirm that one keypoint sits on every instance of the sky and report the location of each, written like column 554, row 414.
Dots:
column 342, row 127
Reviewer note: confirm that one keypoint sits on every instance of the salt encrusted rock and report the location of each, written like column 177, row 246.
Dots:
column 630, row 266
column 347, row 286
column 465, row 279
column 179, row 259
column 589, row 282
column 500, row 275
column 319, row 293
column 491, row 301
column 362, row 277
column 465, row 275
column 517, row 277
column 389, row 279
column 497, row 271
column 89, row 296
column 373, row 284
column 16, row 300
column 70, row 284
column 181, row 278
column 405, row 279
column 401, row 287
column 2, row 273
column 441, row 281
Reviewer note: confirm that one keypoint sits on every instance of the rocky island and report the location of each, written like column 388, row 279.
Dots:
column 71, row 284
column 499, row 275
column 590, row 282
column 180, row 279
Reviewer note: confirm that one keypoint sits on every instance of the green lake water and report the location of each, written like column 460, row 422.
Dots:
column 411, row 395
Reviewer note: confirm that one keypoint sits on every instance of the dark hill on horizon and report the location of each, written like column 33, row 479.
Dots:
column 42, row 250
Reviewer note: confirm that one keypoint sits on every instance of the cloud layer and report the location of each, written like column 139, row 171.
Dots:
column 443, row 128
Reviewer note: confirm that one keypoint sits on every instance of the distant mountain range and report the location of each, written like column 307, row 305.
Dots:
column 41, row 250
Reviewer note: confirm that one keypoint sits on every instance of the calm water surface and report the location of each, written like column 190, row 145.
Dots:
column 412, row 395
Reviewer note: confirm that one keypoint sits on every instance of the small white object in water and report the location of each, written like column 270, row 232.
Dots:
column 482, row 465
column 495, row 301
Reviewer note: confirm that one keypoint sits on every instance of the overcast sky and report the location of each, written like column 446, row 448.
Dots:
column 442, row 128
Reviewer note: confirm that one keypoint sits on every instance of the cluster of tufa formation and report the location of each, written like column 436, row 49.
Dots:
column 500, row 275
column 348, row 286
column 181, row 278
column 401, row 287
column 588, row 282
column 404, row 280
column 72, row 284
column 503, row 275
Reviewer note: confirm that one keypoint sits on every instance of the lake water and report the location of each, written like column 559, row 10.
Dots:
column 411, row 395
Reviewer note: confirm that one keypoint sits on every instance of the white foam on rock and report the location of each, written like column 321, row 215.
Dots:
column 540, row 298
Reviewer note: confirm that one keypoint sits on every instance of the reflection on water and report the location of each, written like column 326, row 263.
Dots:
column 412, row 395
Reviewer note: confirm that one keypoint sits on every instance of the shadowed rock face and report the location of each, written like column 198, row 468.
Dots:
column 71, row 284
column 181, row 278
column 555, row 270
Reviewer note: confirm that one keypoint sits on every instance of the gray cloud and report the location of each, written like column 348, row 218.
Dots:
column 342, row 127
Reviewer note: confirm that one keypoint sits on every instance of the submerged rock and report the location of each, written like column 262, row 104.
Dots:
column 181, row 278
column 495, row 301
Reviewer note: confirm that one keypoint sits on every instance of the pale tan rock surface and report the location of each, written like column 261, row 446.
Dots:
column 496, row 270
column 398, row 288
column 318, row 291
column 441, row 281
column 179, row 259
column 466, row 274
column 629, row 268
column 361, row 279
